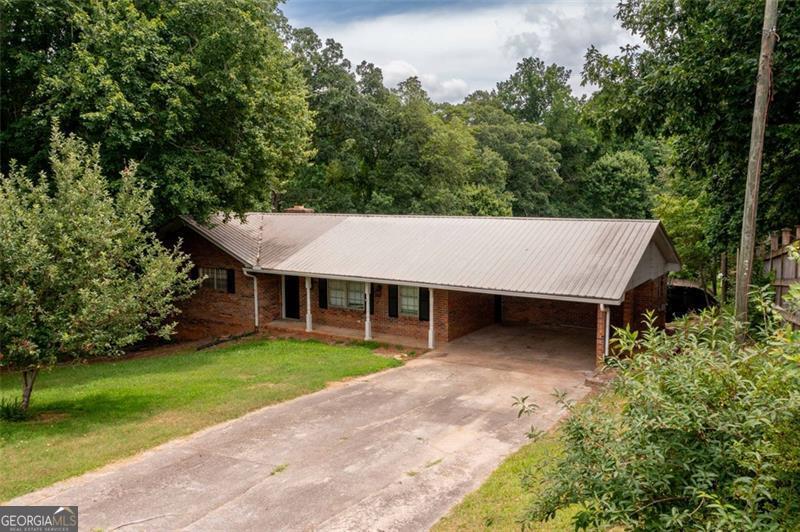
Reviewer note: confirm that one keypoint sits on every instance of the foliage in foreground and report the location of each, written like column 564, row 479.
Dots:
column 80, row 276
column 497, row 504
column 703, row 434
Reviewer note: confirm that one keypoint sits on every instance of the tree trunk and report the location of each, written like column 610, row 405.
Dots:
column 28, row 378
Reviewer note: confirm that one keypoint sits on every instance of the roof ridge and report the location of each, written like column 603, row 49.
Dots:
column 260, row 239
column 452, row 216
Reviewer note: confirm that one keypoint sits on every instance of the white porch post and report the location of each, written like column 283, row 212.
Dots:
column 431, row 318
column 308, row 304
column 367, row 320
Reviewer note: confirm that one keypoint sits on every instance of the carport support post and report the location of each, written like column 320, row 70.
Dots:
column 308, row 304
column 603, row 326
column 367, row 320
column 431, row 319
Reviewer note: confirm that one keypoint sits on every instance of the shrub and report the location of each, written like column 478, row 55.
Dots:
column 702, row 434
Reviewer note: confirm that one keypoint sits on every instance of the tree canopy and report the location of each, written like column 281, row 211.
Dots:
column 202, row 93
column 694, row 81
column 522, row 149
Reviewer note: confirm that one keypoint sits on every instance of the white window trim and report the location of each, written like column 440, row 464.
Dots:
column 347, row 291
column 400, row 312
column 217, row 282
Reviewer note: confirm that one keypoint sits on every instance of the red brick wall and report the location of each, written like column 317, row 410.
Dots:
column 468, row 312
column 548, row 312
column 210, row 313
column 651, row 295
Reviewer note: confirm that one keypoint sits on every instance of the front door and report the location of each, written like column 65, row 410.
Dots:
column 291, row 294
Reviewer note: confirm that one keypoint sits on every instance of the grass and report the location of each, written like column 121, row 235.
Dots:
column 83, row 417
column 501, row 500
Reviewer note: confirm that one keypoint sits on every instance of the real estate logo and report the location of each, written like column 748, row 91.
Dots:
column 38, row 518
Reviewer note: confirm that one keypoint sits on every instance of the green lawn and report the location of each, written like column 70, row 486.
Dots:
column 501, row 500
column 86, row 416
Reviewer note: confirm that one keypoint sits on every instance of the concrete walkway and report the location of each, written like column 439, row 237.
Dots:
column 391, row 451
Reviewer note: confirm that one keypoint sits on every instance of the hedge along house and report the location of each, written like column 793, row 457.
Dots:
column 427, row 278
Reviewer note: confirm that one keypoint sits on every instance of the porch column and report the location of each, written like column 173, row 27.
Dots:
column 368, row 319
column 308, row 304
column 601, row 335
column 431, row 319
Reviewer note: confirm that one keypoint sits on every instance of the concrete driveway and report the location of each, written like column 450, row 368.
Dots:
column 390, row 451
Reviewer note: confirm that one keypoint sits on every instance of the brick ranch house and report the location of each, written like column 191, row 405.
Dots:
column 430, row 279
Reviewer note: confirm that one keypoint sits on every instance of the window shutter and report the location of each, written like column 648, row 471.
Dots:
column 372, row 299
column 322, row 286
column 231, row 281
column 392, row 300
column 424, row 304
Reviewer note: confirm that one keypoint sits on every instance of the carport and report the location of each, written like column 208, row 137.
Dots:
column 547, row 352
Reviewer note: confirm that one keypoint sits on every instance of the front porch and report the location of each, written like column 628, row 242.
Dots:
column 327, row 332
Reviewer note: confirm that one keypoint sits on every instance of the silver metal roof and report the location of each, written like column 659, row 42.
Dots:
column 571, row 259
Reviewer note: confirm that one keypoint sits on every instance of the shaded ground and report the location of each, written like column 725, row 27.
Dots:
column 394, row 450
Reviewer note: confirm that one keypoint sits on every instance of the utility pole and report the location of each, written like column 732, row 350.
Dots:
column 744, row 262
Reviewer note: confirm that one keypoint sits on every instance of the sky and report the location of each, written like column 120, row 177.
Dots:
column 458, row 46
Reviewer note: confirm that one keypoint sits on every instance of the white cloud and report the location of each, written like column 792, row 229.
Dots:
column 455, row 52
column 448, row 90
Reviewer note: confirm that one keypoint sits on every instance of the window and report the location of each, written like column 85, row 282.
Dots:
column 215, row 278
column 337, row 293
column 345, row 294
column 409, row 300
column 355, row 295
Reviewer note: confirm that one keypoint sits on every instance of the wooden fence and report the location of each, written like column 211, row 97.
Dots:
column 777, row 261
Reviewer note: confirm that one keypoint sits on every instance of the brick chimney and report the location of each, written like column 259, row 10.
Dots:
column 299, row 209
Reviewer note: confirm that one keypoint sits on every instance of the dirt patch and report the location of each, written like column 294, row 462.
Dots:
column 397, row 353
column 50, row 416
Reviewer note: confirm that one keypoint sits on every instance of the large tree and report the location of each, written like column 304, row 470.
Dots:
column 531, row 157
column 694, row 79
column 203, row 93
column 540, row 94
column 617, row 186
column 80, row 275
column 392, row 151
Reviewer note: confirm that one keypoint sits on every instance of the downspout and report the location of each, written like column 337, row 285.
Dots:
column 255, row 295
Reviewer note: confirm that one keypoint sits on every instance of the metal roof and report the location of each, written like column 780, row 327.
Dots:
column 555, row 258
